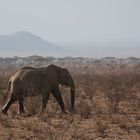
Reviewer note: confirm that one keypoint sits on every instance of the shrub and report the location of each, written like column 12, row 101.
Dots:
column 84, row 109
column 101, row 128
column 33, row 104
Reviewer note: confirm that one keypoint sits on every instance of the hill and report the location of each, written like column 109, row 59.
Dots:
column 25, row 43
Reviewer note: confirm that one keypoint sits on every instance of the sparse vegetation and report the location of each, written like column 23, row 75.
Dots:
column 101, row 128
column 33, row 104
column 107, row 107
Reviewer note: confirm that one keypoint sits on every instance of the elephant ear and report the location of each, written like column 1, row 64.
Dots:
column 63, row 76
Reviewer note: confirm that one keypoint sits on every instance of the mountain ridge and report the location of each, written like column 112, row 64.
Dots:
column 27, row 43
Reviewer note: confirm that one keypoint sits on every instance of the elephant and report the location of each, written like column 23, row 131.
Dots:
column 29, row 81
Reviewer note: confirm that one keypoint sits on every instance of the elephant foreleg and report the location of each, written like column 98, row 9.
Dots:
column 11, row 100
column 57, row 95
column 45, row 99
column 21, row 107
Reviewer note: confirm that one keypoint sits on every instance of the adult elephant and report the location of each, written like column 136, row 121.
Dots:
column 29, row 81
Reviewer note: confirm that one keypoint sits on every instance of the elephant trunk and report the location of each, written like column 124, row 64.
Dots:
column 72, row 96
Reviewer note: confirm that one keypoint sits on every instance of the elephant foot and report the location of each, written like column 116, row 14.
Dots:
column 25, row 115
column 64, row 112
column 72, row 111
column 4, row 112
column 21, row 112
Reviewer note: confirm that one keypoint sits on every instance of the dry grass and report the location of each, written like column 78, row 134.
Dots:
column 107, row 107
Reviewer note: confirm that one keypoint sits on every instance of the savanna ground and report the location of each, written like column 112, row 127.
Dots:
column 107, row 107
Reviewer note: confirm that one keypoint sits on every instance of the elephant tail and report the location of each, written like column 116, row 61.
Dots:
column 7, row 91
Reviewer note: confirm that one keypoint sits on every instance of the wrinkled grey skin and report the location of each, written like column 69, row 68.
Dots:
column 29, row 81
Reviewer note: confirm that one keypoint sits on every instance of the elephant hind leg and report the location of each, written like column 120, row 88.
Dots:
column 11, row 100
column 21, row 106
column 57, row 95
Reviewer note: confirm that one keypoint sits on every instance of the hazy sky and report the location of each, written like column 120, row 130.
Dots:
column 73, row 20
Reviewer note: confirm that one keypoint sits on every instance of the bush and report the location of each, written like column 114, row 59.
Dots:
column 33, row 104
column 101, row 128
column 84, row 109
column 113, row 100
